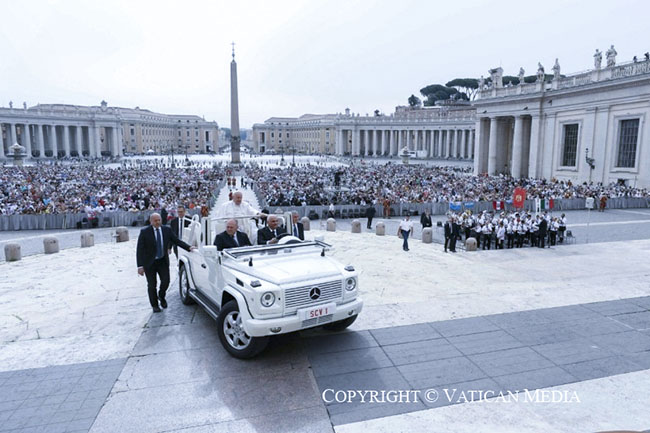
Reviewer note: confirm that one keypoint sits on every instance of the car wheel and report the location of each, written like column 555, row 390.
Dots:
column 184, row 286
column 232, row 335
column 341, row 324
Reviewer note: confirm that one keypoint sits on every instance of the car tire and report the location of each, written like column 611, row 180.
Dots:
column 232, row 335
column 184, row 286
column 341, row 324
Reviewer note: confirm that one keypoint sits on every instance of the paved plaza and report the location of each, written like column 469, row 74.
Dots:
column 81, row 351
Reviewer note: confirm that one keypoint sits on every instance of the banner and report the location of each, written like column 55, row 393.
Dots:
column 469, row 205
column 519, row 197
column 498, row 205
column 455, row 206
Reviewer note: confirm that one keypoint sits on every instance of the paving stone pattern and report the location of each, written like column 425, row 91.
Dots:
column 503, row 352
column 55, row 399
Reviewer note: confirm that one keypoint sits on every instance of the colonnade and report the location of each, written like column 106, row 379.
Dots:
column 43, row 140
column 431, row 143
column 508, row 144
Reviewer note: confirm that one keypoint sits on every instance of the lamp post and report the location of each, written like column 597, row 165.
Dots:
column 172, row 149
column 590, row 161
column 293, row 155
column 282, row 152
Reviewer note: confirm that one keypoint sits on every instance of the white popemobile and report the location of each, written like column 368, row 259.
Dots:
column 264, row 290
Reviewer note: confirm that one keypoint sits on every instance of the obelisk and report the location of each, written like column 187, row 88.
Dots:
column 234, row 112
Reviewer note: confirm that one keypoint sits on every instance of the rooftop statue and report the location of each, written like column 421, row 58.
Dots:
column 611, row 56
column 598, row 59
column 556, row 70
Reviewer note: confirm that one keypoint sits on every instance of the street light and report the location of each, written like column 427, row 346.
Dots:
column 590, row 161
column 293, row 155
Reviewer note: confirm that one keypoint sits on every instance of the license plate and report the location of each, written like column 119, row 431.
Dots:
column 315, row 312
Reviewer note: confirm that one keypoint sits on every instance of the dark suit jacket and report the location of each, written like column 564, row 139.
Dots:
column 301, row 230
column 264, row 235
column 223, row 240
column 146, row 250
column 174, row 225
column 425, row 221
column 543, row 227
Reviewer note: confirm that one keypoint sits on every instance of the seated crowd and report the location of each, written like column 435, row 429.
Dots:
column 60, row 188
column 363, row 184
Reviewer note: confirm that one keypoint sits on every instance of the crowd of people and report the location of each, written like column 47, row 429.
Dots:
column 363, row 184
column 92, row 188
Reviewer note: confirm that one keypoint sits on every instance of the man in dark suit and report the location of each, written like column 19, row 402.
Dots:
column 425, row 219
column 152, row 254
column 270, row 233
column 297, row 229
column 370, row 214
column 175, row 223
column 448, row 230
column 231, row 238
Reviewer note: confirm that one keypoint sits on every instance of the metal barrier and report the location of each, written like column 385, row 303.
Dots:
column 125, row 218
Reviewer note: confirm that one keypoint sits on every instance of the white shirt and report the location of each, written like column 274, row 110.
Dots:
column 406, row 225
column 231, row 210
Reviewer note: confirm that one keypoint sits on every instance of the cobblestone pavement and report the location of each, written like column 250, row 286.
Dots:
column 179, row 376
column 55, row 399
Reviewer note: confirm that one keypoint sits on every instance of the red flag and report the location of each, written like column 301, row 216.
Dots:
column 519, row 197
column 551, row 203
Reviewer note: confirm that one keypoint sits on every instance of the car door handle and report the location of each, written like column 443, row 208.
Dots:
column 203, row 265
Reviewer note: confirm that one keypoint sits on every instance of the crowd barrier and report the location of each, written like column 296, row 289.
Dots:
column 76, row 220
column 441, row 208
column 124, row 218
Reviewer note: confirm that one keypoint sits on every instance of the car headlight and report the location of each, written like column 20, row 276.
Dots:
column 267, row 299
column 350, row 284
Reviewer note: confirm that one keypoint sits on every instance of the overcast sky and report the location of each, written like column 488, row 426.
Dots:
column 293, row 57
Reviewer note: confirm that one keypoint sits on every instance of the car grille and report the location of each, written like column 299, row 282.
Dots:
column 298, row 297
column 316, row 321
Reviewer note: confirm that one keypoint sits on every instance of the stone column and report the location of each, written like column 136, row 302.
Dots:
column 473, row 146
column 534, row 146
column 78, row 141
column 517, row 147
column 492, row 146
column 41, row 141
column 444, row 136
column 14, row 135
column 27, row 140
column 463, row 146
column 356, row 142
column 98, row 143
column 339, row 142
column 478, row 131
column 384, row 139
column 2, row 144
column 66, row 139
column 115, row 145
column 454, row 143
column 120, row 140
column 375, row 143
column 54, row 144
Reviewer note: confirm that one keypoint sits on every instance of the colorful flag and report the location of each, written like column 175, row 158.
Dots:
column 543, row 204
column 519, row 197
column 469, row 205
column 454, row 205
column 498, row 205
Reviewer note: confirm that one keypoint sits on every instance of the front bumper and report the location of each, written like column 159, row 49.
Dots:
column 262, row 327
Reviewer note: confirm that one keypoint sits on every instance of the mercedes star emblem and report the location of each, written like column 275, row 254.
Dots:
column 314, row 293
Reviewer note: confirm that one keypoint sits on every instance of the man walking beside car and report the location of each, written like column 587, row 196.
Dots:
column 152, row 253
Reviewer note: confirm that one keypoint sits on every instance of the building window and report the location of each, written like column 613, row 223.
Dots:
column 627, row 138
column 570, row 147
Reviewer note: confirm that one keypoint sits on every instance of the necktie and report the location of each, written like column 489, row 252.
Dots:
column 159, row 245
column 295, row 230
column 235, row 239
column 274, row 235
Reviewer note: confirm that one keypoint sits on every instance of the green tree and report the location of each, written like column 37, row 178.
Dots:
column 466, row 86
column 414, row 101
column 437, row 92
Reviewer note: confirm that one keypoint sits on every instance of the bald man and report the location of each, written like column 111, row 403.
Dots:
column 231, row 237
column 269, row 234
column 152, row 254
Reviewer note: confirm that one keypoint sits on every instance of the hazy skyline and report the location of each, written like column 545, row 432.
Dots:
column 293, row 57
